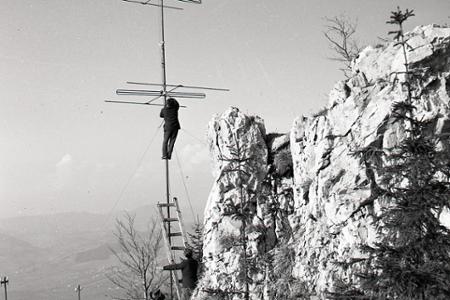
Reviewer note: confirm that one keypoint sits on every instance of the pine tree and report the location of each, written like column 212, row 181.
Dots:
column 195, row 242
column 412, row 258
column 242, row 208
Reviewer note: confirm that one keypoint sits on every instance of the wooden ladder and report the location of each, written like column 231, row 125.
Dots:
column 168, row 235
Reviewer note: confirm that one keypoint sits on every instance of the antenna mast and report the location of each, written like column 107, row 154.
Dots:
column 164, row 89
column 164, row 94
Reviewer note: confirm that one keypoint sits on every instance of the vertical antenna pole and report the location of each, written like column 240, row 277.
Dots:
column 78, row 290
column 164, row 86
column 4, row 281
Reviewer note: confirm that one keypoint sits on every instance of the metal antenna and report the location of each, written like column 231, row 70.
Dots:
column 179, row 86
column 164, row 94
column 151, row 4
column 141, row 103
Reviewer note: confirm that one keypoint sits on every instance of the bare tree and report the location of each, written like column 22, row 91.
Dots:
column 137, row 253
column 340, row 36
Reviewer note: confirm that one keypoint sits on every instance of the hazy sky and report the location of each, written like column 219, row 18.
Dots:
column 62, row 148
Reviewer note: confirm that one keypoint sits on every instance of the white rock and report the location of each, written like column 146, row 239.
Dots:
column 325, row 219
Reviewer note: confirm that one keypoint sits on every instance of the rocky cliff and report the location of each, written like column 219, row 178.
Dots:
column 295, row 202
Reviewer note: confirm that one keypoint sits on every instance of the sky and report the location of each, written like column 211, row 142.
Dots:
column 62, row 148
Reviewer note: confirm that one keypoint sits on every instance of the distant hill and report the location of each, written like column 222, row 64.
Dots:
column 12, row 244
column 44, row 230
column 16, row 253
column 101, row 252
column 45, row 256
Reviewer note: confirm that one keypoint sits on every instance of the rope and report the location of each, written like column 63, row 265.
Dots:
column 184, row 185
column 193, row 136
column 141, row 159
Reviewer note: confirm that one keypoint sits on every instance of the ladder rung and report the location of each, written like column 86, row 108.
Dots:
column 177, row 248
column 176, row 234
column 166, row 204
column 170, row 219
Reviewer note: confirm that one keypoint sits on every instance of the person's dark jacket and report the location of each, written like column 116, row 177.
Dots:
column 157, row 295
column 170, row 115
column 188, row 268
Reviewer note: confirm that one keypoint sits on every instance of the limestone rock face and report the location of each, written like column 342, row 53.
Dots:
column 331, row 183
column 239, row 158
column 252, row 170
column 317, row 206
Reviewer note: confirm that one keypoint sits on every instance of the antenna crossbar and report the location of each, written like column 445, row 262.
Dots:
column 141, row 103
column 179, row 86
column 191, row 1
column 152, row 4
column 124, row 92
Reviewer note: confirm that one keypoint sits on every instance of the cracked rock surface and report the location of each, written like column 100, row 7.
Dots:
column 320, row 207
column 330, row 182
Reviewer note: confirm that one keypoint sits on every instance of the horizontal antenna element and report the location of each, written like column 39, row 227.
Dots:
column 179, row 86
column 152, row 4
column 191, row 1
column 160, row 93
column 141, row 103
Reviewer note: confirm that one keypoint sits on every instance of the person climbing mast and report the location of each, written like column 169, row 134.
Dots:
column 171, row 126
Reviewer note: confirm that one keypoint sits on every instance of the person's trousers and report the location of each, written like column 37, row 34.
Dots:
column 169, row 141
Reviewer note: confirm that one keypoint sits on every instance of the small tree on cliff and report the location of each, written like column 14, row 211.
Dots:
column 195, row 243
column 412, row 258
column 240, row 208
column 339, row 34
column 282, row 285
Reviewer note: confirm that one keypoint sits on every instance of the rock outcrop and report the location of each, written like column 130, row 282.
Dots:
column 331, row 183
column 251, row 171
column 325, row 218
